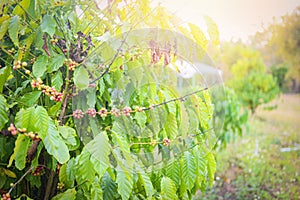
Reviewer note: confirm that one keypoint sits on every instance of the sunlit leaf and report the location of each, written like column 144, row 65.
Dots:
column 40, row 66
column 56, row 62
column 22, row 145
column 57, row 80
column 81, row 78
column 211, row 167
column 70, row 194
column 3, row 112
column 48, row 24
column 4, row 26
column 29, row 99
column 9, row 173
column 189, row 170
column 13, row 29
column 22, row 7
column 55, row 145
column 168, row 188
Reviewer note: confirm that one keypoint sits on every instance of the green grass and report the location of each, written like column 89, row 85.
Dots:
column 253, row 167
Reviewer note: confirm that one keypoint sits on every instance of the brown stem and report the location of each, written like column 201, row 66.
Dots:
column 49, row 185
column 16, row 183
column 32, row 150
column 63, row 111
column 52, row 180
column 45, row 46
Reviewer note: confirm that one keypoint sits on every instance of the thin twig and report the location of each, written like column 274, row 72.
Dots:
column 22, row 177
column 176, row 99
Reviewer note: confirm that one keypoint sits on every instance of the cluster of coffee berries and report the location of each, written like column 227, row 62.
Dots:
column 37, row 83
column 52, row 93
column 91, row 112
column 12, row 129
column 139, row 109
column 127, row 111
column 116, row 112
column 12, row 50
column 71, row 64
column 53, row 41
column 38, row 171
column 33, row 136
column 32, row 60
column 153, row 143
column 6, row 196
column 60, row 186
column 166, row 141
column 103, row 112
column 47, row 90
column 77, row 114
column 18, row 64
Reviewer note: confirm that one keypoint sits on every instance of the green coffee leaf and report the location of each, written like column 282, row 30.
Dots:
column 96, row 191
column 26, row 119
column 68, row 133
column 13, row 29
column 141, row 118
column 70, row 194
column 22, row 145
column 56, row 62
column 212, row 30
column 173, row 172
column 48, row 25
column 55, row 145
column 57, row 80
column 109, row 187
column 211, row 167
column 81, row 78
column 189, row 170
column 3, row 112
column 33, row 119
column 145, row 179
column 4, row 74
column 40, row 66
column 21, row 8
column 54, row 110
column 168, row 188
column 125, row 182
column 99, row 148
column 4, row 26
column 66, row 173
column 29, row 99
column 41, row 121
column 84, row 171
column 9, row 173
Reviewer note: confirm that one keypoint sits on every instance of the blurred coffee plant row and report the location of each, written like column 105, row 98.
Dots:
column 257, row 71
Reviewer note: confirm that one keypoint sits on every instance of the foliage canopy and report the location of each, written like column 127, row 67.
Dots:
column 56, row 145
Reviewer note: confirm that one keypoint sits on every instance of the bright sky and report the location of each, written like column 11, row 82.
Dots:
column 235, row 18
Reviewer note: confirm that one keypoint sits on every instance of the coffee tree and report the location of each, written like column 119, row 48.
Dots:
column 251, row 82
column 92, row 109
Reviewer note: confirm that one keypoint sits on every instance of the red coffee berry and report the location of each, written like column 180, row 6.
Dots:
column 102, row 112
column 126, row 111
column 77, row 114
column 116, row 112
column 91, row 112
column 166, row 141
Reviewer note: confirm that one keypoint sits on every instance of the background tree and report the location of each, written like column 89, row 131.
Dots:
column 251, row 82
column 280, row 45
